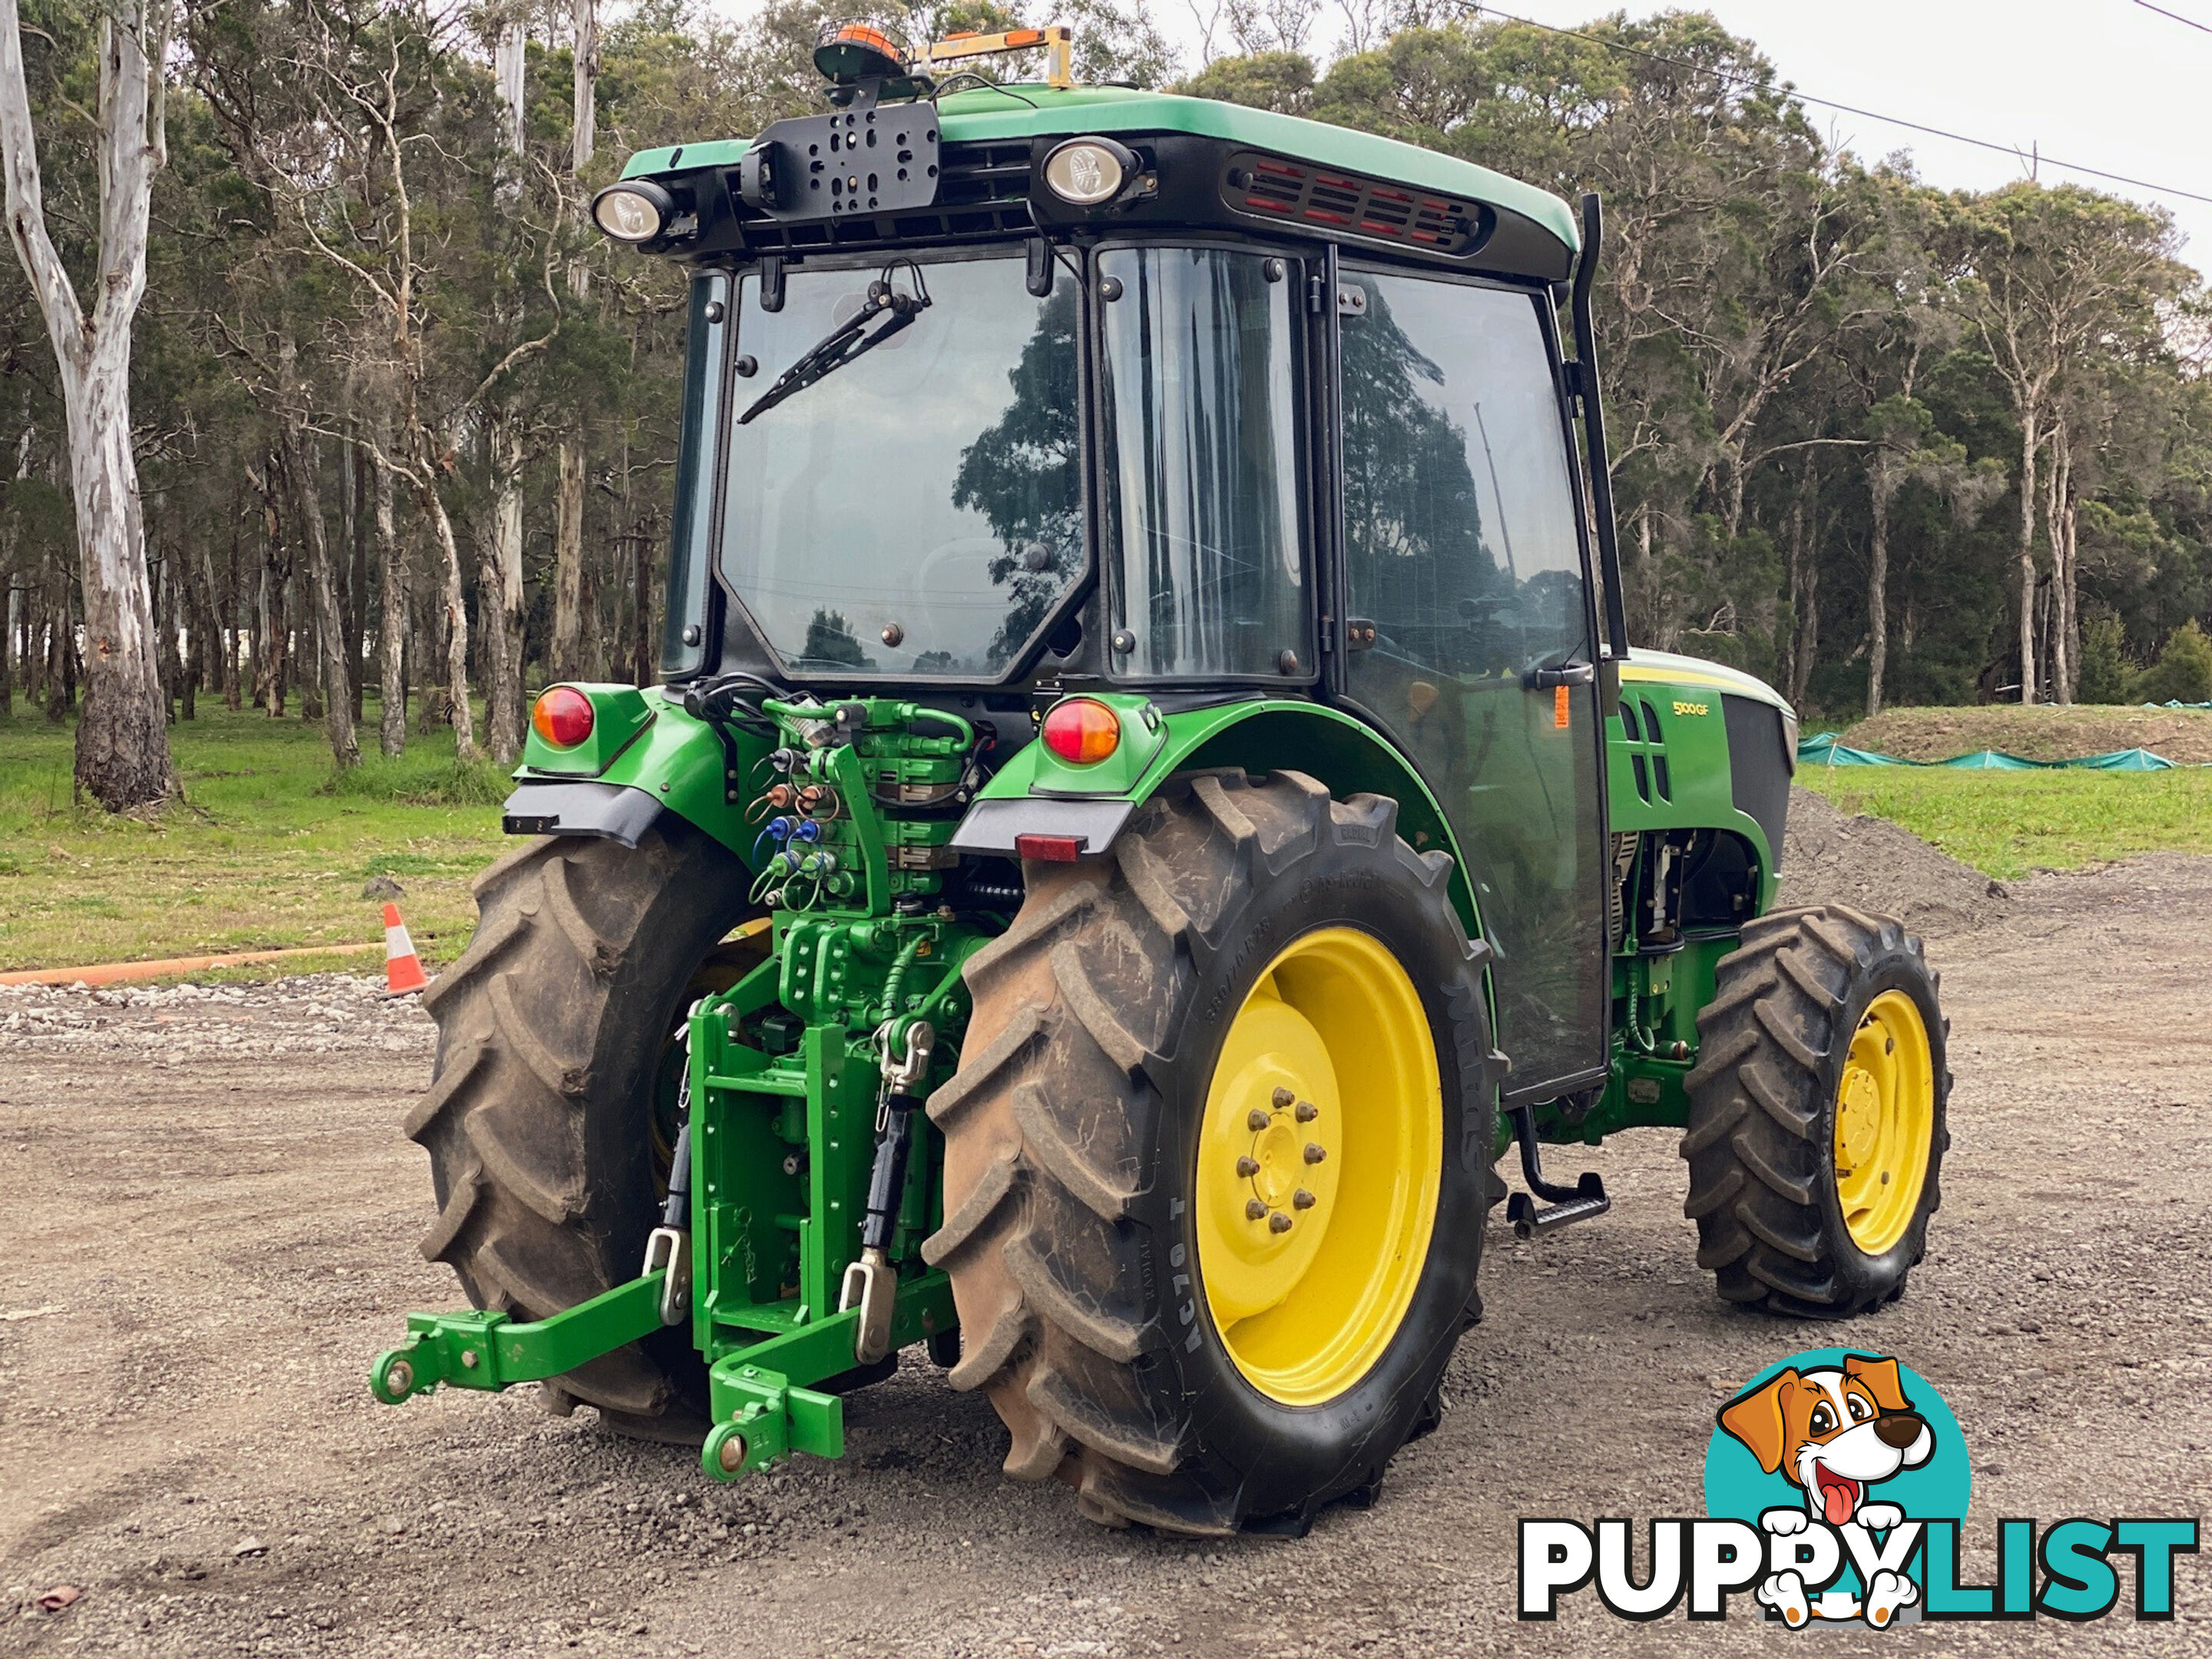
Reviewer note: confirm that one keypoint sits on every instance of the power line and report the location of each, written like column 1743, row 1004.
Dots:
column 1853, row 109
column 2186, row 22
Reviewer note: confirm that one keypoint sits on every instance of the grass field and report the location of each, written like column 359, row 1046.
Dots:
column 2006, row 823
column 267, row 850
column 270, row 850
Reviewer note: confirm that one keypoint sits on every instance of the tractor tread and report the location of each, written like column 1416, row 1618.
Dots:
column 538, row 1160
column 1758, row 1139
column 1118, row 1339
column 1106, row 1197
column 960, row 1229
column 1074, row 1007
column 1080, row 1417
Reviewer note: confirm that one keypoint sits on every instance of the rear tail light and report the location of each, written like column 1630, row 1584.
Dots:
column 563, row 716
column 1082, row 731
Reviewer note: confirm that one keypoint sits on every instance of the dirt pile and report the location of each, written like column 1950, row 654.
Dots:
column 1872, row 864
column 2041, row 732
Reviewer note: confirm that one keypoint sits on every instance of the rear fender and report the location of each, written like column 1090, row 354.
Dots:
column 1036, row 792
column 666, row 761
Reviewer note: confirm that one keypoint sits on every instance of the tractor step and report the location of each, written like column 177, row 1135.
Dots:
column 1564, row 1205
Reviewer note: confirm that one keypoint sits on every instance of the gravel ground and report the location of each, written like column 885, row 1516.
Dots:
column 210, row 1229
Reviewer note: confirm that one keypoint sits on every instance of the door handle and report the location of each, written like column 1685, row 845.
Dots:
column 1573, row 673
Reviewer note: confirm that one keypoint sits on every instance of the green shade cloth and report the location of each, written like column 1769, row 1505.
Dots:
column 1827, row 749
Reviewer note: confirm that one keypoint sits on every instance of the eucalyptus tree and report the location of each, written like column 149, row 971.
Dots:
column 2058, row 274
column 122, row 737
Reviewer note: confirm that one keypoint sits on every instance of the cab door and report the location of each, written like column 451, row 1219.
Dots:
column 1470, row 634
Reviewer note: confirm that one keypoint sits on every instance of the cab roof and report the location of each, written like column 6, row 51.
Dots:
column 1022, row 110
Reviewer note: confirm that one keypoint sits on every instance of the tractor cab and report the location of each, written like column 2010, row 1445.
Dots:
column 1025, row 385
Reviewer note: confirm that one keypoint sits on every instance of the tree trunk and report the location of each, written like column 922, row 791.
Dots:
column 583, row 131
column 1804, row 594
column 568, row 649
column 195, row 614
column 168, row 664
column 1877, row 583
column 233, row 688
column 329, row 620
column 641, row 643
column 2029, row 424
column 499, row 588
column 61, row 650
column 352, row 475
column 456, row 627
column 567, row 653
column 8, row 610
column 2058, row 509
column 392, row 621
column 122, row 736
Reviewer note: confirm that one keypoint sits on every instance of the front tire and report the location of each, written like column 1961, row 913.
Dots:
column 1081, row 1221
column 1817, row 1124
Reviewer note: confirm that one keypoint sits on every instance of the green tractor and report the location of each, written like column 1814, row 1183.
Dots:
column 1150, row 800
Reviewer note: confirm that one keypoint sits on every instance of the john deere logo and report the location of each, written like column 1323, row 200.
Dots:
column 1836, row 1484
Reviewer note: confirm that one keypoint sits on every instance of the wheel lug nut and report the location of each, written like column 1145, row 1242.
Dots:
column 1283, row 1097
column 1278, row 1223
column 1247, row 1166
column 1301, row 1200
column 1255, row 1119
column 1308, row 1111
column 1314, row 1154
column 1253, row 1209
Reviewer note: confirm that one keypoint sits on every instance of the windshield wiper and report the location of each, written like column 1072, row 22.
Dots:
column 849, row 340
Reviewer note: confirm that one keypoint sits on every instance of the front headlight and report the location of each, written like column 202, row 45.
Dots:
column 636, row 210
column 1088, row 170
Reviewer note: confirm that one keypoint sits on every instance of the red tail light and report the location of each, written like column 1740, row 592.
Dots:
column 563, row 716
column 1081, row 731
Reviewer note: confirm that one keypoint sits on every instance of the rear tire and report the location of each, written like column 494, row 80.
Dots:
column 1774, row 1046
column 552, row 1030
column 1072, row 1130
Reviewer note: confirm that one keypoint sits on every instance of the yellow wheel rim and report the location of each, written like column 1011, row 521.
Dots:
column 1319, row 1161
column 1885, row 1123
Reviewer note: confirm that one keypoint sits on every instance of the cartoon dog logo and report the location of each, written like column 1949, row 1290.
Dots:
column 1835, row 1431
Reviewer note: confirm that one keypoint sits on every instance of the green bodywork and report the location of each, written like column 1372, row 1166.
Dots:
column 984, row 115
column 785, row 1068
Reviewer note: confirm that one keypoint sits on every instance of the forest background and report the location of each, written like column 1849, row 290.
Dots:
column 403, row 425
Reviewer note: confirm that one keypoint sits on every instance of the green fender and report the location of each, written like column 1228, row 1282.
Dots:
column 643, row 740
column 1260, row 734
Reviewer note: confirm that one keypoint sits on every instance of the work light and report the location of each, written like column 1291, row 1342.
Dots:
column 633, row 211
column 1089, row 171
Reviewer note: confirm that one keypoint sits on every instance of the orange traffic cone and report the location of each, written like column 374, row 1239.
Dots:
column 403, row 968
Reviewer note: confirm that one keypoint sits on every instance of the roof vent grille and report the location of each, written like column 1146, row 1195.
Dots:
column 1294, row 192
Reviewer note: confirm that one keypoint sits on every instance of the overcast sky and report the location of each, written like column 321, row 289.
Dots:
column 2104, row 83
